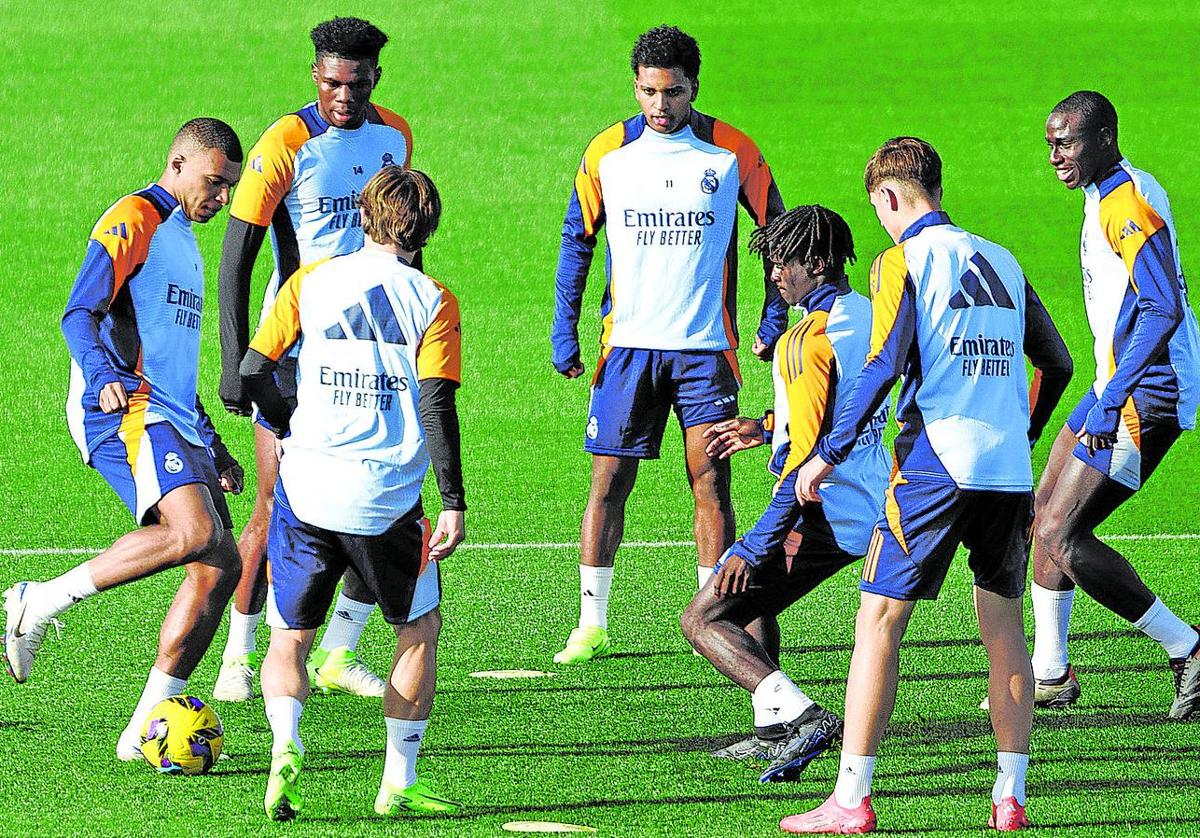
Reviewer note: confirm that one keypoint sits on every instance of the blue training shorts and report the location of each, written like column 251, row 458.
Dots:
column 924, row 522
column 305, row 563
column 635, row 389
column 1142, row 442
column 145, row 464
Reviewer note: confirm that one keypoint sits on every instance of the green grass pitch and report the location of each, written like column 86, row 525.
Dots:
column 502, row 97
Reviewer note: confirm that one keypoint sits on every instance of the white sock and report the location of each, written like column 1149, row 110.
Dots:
column 347, row 623
column 594, row 585
column 283, row 714
column 1051, row 620
column 853, row 780
column 55, row 596
column 403, row 741
column 242, row 628
column 763, row 716
column 159, row 685
column 1010, row 777
column 703, row 574
column 1176, row 636
column 778, row 695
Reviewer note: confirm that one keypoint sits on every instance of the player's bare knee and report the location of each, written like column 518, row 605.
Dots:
column 692, row 622
column 1050, row 531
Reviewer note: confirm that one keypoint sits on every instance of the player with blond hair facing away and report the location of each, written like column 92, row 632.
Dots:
column 1145, row 394
column 952, row 313
column 300, row 184
column 792, row 548
column 379, row 363
column 132, row 326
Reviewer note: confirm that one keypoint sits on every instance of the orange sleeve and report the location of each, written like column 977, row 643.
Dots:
column 439, row 354
column 587, row 179
column 394, row 120
column 124, row 232
column 753, row 172
column 268, row 174
column 806, row 367
column 1128, row 221
column 281, row 329
column 888, row 274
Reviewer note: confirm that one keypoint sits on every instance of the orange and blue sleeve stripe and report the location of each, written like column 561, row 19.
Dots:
column 893, row 329
column 439, row 354
column 809, row 373
column 584, row 218
column 269, row 170
column 281, row 329
column 1152, row 308
column 759, row 194
column 116, row 251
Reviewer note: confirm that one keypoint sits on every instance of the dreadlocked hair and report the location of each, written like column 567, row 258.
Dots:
column 806, row 233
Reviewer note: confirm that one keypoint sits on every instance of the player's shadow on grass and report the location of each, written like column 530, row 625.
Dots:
column 926, row 733
column 958, row 642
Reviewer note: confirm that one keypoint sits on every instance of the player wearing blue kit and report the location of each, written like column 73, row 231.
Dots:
column 301, row 184
column 1145, row 394
column 792, row 549
column 952, row 313
column 379, row 364
column 665, row 185
column 132, row 326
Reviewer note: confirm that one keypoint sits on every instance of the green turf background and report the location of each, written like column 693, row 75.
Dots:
column 502, row 98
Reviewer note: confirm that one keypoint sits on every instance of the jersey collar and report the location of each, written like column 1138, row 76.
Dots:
column 821, row 298
column 162, row 200
column 929, row 219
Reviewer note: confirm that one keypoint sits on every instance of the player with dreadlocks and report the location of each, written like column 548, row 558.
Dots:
column 792, row 549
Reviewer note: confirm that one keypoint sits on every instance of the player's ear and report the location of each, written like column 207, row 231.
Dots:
column 176, row 162
column 378, row 76
column 1104, row 137
column 695, row 89
column 817, row 266
column 893, row 198
column 315, row 79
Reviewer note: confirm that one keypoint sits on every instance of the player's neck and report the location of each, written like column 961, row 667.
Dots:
column 910, row 214
column 390, row 249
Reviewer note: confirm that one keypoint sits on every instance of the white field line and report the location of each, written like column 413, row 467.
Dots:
column 565, row 545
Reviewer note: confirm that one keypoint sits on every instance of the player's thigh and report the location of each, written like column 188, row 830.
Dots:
column 305, row 564
column 629, row 405
column 914, row 540
column 395, row 567
column 704, row 387
column 266, row 463
column 998, row 534
column 1060, row 455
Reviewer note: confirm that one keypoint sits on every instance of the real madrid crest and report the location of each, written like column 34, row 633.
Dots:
column 709, row 183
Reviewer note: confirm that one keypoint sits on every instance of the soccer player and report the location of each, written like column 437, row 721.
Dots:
column 132, row 326
column 951, row 313
column 759, row 576
column 1145, row 394
column 379, row 364
column 302, row 183
column 666, row 182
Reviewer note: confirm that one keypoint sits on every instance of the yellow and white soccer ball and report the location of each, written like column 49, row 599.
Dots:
column 182, row 735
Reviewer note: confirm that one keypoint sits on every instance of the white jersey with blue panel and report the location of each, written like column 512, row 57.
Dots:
column 134, row 317
column 949, row 315
column 1147, row 344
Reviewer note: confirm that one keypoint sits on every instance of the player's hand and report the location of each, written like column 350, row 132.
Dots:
column 733, row 435
column 760, row 349
column 808, row 480
column 1096, row 442
column 733, row 577
column 233, row 395
column 233, row 479
column 447, row 535
column 573, row 371
column 113, row 398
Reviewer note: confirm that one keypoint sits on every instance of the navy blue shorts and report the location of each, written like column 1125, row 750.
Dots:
column 924, row 522
column 144, row 462
column 1142, row 442
column 635, row 389
column 305, row 562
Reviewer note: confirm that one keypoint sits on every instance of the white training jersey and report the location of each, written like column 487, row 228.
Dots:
column 372, row 328
column 1129, row 255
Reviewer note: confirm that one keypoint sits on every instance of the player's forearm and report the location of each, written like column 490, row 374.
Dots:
column 870, row 389
column 1048, row 353
column 208, row 432
column 86, row 306
column 238, row 253
column 1150, row 337
column 439, row 417
column 259, row 382
column 574, row 260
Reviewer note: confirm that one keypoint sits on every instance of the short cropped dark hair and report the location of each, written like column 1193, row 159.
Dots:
column 348, row 37
column 666, row 46
column 906, row 160
column 400, row 207
column 1094, row 109
column 207, row 132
